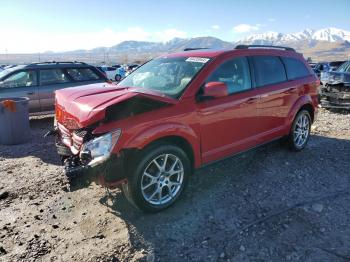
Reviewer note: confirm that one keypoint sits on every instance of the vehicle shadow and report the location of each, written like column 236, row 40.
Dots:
column 224, row 197
column 38, row 146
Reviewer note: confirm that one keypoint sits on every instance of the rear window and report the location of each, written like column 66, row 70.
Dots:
column 82, row 74
column 268, row 70
column 53, row 76
column 295, row 68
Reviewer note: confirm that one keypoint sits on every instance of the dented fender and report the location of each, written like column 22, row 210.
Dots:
column 149, row 134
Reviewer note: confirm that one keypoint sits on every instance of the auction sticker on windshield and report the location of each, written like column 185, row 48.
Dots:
column 197, row 59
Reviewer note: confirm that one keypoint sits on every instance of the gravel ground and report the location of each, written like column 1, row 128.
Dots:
column 269, row 204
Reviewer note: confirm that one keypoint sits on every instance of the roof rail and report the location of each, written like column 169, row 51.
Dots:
column 265, row 46
column 58, row 62
column 195, row 48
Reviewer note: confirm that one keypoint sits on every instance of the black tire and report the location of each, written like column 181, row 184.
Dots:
column 132, row 190
column 117, row 77
column 292, row 138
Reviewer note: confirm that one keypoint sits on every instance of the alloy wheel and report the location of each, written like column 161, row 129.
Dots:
column 301, row 130
column 162, row 179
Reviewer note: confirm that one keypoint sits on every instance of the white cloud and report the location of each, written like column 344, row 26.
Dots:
column 21, row 41
column 168, row 34
column 215, row 27
column 245, row 28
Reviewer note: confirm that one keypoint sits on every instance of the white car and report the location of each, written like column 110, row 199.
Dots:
column 112, row 73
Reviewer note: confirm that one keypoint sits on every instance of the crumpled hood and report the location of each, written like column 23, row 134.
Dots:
column 87, row 104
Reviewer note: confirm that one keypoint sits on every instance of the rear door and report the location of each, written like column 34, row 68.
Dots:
column 51, row 80
column 277, row 95
column 23, row 83
column 229, row 124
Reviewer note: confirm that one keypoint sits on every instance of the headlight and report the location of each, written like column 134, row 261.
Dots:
column 99, row 149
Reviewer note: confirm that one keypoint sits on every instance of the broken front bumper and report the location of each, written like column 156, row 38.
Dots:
column 108, row 173
column 80, row 167
column 335, row 98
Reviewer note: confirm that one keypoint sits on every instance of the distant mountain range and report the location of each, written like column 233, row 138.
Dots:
column 321, row 43
column 324, row 44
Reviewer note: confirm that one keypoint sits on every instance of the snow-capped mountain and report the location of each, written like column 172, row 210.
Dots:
column 327, row 34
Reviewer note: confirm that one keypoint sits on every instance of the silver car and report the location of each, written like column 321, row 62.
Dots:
column 38, row 81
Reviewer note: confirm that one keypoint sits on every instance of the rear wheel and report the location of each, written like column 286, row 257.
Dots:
column 300, row 131
column 159, row 178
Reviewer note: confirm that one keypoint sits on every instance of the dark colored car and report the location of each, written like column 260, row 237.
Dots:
column 183, row 111
column 335, row 91
column 325, row 67
column 39, row 81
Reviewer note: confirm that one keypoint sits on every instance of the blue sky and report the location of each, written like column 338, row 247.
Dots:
column 38, row 26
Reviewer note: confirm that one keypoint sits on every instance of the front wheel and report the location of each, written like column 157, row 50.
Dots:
column 159, row 178
column 300, row 131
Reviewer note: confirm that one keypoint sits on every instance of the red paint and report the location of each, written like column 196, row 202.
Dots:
column 214, row 128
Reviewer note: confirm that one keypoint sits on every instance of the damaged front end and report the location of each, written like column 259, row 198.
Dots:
column 90, row 156
column 335, row 92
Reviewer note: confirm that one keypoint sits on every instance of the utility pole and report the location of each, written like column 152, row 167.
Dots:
column 6, row 56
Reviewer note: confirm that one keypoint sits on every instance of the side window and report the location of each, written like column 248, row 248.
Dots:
column 53, row 76
column 295, row 68
column 234, row 73
column 268, row 70
column 20, row 79
column 82, row 74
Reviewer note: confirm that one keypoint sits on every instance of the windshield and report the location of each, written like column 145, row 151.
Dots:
column 169, row 76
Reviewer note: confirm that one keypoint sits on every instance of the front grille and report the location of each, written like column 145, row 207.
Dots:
column 74, row 139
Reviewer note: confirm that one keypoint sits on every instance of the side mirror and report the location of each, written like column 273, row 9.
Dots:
column 215, row 89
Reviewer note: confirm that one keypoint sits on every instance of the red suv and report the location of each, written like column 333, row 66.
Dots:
column 181, row 111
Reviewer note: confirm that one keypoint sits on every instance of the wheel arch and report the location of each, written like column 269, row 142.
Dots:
column 304, row 102
column 174, row 134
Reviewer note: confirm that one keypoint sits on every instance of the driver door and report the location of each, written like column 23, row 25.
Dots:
column 229, row 124
column 22, row 84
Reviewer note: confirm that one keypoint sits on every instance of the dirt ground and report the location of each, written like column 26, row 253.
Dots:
column 269, row 204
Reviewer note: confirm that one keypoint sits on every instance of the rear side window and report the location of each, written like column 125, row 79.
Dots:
column 82, row 74
column 268, row 70
column 295, row 68
column 20, row 79
column 234, row 73
column 52, row 76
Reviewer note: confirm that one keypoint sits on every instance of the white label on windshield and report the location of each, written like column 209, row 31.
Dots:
column 197, row 59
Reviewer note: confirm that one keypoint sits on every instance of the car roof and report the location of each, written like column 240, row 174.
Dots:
column 47, row 65
column 212, row 53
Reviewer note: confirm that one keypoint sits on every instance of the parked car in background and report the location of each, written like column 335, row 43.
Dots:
column 335, row 91
column 113, row 73
column 312, row 65
column 180, row 112
column 39, row 81
column 325, row 67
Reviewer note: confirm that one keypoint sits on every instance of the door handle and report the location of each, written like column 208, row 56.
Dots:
column 251, row 100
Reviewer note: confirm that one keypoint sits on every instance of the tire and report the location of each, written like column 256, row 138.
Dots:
column 117, row 77
column 300, row 131
column 161, row 188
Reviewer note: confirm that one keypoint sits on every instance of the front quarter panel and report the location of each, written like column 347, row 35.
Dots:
column 141, row 130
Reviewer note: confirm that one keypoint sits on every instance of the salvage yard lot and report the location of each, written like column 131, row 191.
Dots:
column 269, row 204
